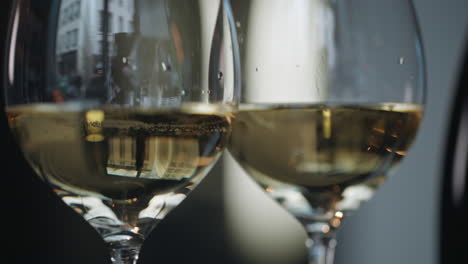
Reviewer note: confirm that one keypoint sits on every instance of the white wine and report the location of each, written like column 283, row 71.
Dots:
column 321, row 151
column 122, row 159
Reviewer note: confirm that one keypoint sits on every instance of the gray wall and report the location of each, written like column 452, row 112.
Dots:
column 399, row 225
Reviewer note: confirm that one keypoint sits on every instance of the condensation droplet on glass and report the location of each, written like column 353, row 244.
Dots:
column 165, row 67
column 256, row 69
column 325, row 229
column 402, row 60
column 238, row 24
column 182, row 92
column 208, row 91
column 203, row 91
column 220, row 76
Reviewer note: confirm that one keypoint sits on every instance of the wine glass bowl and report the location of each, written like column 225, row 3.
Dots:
column 121, row 106
column 332, row 98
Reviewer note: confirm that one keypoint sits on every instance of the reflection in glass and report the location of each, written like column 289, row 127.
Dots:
column 85, row 44
column 121, row 106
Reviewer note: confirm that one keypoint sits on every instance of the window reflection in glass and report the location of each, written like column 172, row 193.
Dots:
column 129, row 52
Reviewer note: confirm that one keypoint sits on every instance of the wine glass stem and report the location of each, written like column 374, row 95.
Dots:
column 321, row 248
column 121, row 254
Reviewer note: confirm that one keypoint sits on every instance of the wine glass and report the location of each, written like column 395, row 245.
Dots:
column 331, row 100
column 122, row 107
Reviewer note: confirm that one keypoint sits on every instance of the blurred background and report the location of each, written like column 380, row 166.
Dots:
column 228, row 219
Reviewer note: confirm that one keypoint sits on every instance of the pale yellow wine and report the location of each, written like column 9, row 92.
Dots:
column 126, row 155
column 315, row 149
